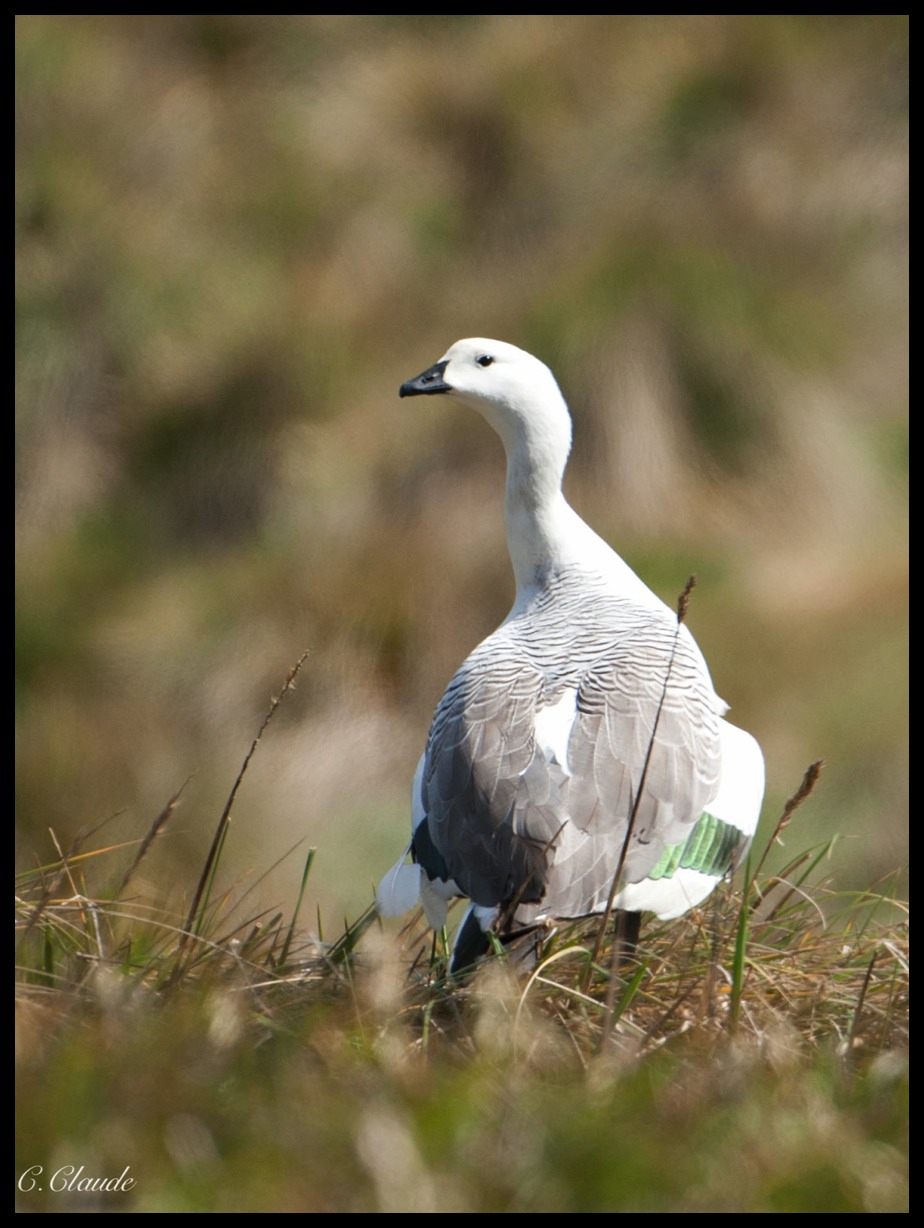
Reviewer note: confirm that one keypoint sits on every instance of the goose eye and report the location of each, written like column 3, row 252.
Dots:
column 484, row 360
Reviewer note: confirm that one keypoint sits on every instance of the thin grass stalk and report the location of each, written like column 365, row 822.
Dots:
column 809, row 781
column 738, row 962
column 206, row 879
column 309, row 862
column 683, row 605
column 855, row 1022
column 154, row 831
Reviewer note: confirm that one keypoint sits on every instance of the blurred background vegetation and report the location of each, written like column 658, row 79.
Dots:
column 237, row 235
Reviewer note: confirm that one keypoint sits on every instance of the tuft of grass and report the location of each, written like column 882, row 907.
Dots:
column 751, row 1056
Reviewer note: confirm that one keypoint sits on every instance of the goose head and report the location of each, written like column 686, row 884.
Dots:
column 514, row 391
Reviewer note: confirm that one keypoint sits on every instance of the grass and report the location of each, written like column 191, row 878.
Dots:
column 751, row 1058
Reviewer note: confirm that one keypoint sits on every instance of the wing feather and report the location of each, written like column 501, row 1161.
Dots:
column 512, row 822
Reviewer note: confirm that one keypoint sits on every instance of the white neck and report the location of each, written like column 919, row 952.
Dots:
column 543, row 531
column 544, row 534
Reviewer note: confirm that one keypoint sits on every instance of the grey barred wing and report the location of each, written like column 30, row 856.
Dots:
column 645, row 744
column 480, row 764
column 538, row 757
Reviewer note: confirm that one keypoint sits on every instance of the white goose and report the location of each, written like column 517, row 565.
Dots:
column 584, row 734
